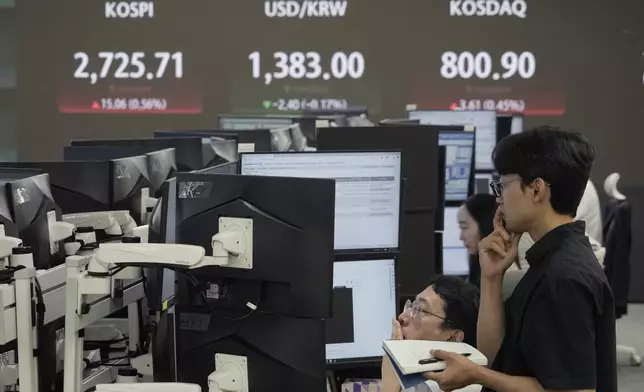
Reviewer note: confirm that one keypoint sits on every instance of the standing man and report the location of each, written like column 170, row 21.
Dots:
column 557, row 331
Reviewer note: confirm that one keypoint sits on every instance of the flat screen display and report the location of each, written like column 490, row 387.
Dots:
column 368, row 184
column 357, row 328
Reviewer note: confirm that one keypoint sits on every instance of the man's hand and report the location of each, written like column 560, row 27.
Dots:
column 396, row 331
column 498, row 250
column 389, row 380
column 459, row 372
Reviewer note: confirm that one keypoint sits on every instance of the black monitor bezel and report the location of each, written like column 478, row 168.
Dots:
column 470, row 182
column 496, row 137
column 342, row 253
column 348, row 363
column 221, row 117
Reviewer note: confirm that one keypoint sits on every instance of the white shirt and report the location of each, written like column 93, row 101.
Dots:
column 589, row 210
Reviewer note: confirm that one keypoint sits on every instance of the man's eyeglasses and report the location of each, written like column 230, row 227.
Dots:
column 415, row 310
column 497, row 186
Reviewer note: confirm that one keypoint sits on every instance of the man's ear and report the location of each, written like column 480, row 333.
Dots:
column 539, row 189
column 457, row 336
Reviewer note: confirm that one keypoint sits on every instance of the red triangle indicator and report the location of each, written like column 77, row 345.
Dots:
column 95, row 105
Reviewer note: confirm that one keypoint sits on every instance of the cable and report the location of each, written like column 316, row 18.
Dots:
column 94, row 245
column 40, row 308
column 108, row 362
column 197, row 285
column 110, row 273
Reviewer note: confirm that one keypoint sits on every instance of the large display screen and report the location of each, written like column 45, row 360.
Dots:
column 282, row 56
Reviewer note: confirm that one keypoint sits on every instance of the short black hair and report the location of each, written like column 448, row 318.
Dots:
column 562, row 159
column 461, row 304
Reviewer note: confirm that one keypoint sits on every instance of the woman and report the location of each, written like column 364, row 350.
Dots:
column 475, row 220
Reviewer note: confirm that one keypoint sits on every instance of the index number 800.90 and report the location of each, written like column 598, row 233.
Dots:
column 128, row 65
column 467, row 65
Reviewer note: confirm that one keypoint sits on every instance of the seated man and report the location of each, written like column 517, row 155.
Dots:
column 447, row 310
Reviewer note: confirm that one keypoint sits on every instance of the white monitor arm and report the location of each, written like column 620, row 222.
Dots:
column 149, row 387
column 8, row 258
column 147, row 201
column 231, row 375
column 232, row 247
column 6, row 246
column 124, row 220
column 100, row 220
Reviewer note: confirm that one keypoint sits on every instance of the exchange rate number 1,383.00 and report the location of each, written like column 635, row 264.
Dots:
column 308, row 65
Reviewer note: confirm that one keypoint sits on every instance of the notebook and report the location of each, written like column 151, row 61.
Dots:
column 405, row 355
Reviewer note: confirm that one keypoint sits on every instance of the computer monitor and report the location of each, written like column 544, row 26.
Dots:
column 508, row 124
column 456, row 259
column 517, row 124
column 188, row 150
column 483, row 121
column 33, row 209
column 224, row 168
column 399, row 121
column 419, row 146
column 129, row 177
column 459, row 152
column 224, row 150
column 161, row 163
column 240, row 122
column 247, row 140
column 101, row 153
column 352, row 111
column 7, row 225
column 368, row 186
column 282, row 334
column 355, row 332
column 308, row 124
column 77, row 186
column 422, row 195
column 87, row 186
column 482, row 182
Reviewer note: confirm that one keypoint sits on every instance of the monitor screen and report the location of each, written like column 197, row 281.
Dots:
column 482, row 183
column 34, row 210
column 368, row 184
column 357, row 328
column 517, row 124
column 483, row 121
column 455, row 256
column 242, row 122
column 248, row 140
column 188, row 150
column 459, row 148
